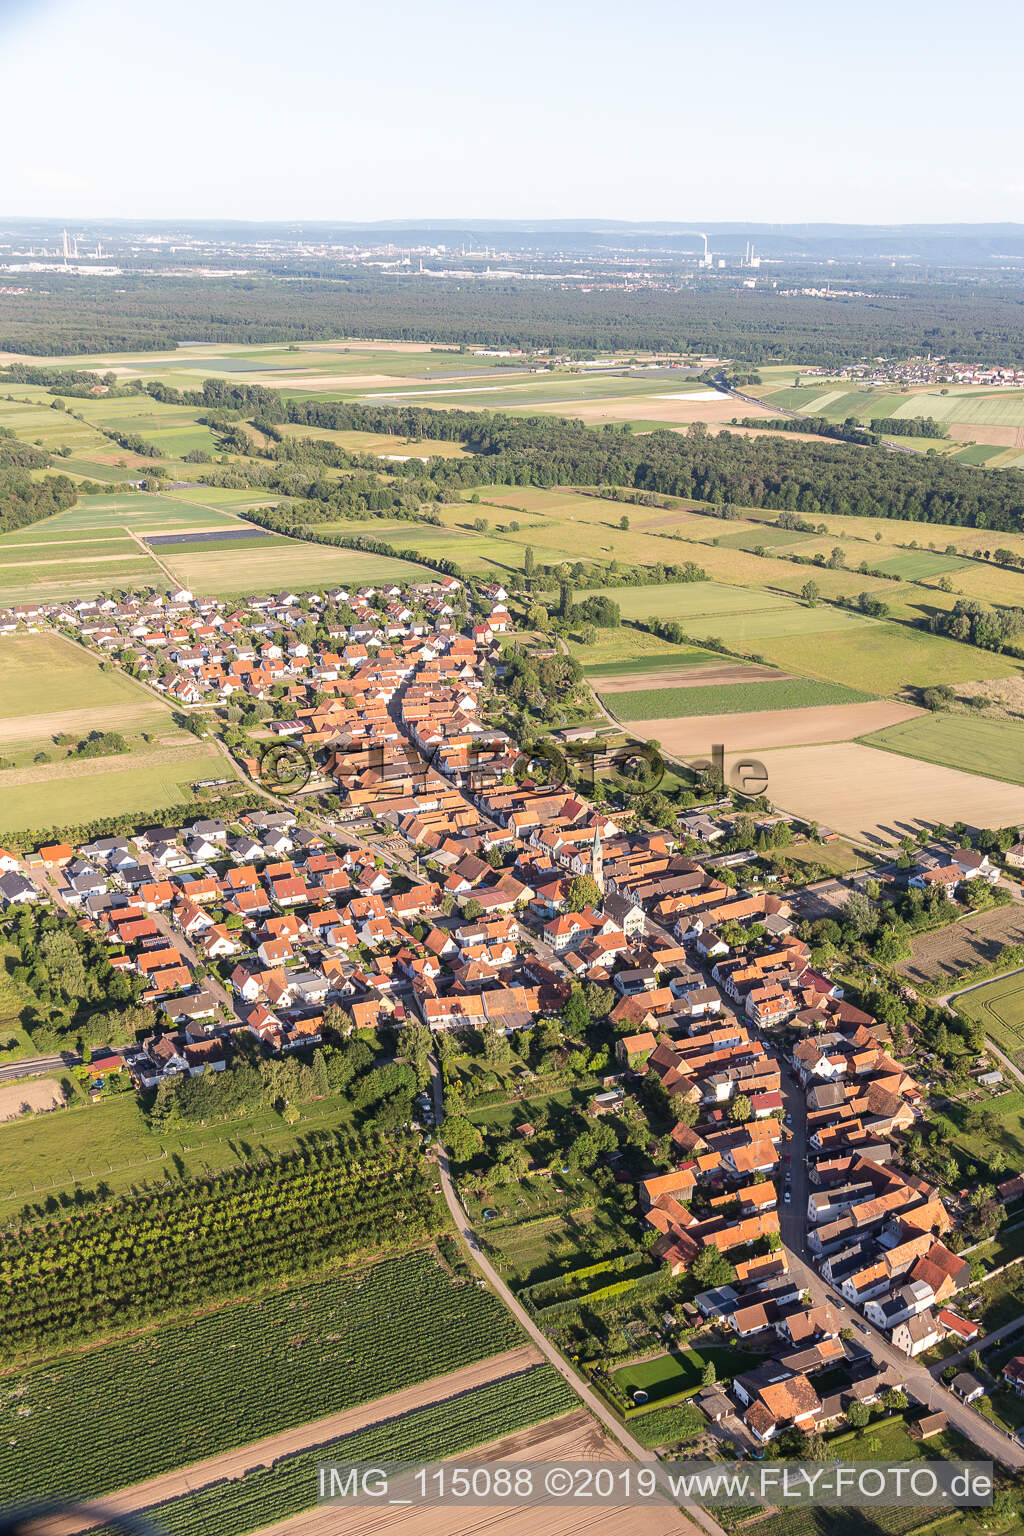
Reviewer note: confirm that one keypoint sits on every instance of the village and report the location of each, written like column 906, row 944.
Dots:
column 439, row 889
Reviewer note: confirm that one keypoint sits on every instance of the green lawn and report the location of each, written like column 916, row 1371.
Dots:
column 917, row 564
column 681, row 1371
column 730, row 699
column 994, row 748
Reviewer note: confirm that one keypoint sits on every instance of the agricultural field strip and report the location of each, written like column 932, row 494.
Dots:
column 992, row 749
column 439, row 1430
column 792, row 695
column 272, row 1448
column 328, row 1346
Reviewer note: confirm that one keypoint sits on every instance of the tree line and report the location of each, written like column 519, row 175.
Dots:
column 65, row 316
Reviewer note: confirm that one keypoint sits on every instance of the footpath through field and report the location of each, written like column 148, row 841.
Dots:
column 262, row 1453
column 543, row 1343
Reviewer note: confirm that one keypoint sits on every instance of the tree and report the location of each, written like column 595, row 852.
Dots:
column 811, row 593
column 583, row 892
column 711, row 1269
column 896, row 1399
column 624, row 521
column 859, row 1415
column 741, row 1109
column 529, row 561
column 709, row 1374
column 473, row 909
column 462, row 1139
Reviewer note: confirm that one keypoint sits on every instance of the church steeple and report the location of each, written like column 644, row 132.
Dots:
column 597, row 861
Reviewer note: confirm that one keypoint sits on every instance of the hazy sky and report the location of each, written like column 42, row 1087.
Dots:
column 639, row 109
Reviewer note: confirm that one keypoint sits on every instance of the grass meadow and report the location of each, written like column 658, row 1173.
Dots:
column 994, row 748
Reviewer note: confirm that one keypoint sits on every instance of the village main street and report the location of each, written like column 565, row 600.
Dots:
column 913, row 1377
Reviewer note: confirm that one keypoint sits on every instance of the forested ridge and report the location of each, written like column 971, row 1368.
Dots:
column 76, row 315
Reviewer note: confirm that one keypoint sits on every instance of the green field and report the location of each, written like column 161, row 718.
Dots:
column 999, row 1008
column 245, row 1370
column 111, row 1142
column 750, row 538
column 268, row 1495
column 48, row 672
column 994, row 748
column 987, row 407
column 142, row 511
column 729, row 698
column 681, row 1371
column 133, row 782
column 641, row 664
column 885, row 657
column 916, row 565
column 977, row 453
column 683, row 601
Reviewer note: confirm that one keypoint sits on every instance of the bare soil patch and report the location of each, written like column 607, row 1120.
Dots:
column 574, row 1437
column 770, row 729
column 689, row 677
column 36, row 1094
column 995, row 437
column 330, row 380
column 876, row 797
column 950, row 951
column 262, row 1453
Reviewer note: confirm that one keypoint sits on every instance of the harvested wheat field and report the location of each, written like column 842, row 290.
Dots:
column 33, row 1094
column 321, row 381
column 681, row 408
column 878, row 797
column 573, row 1438
column 692, row 677
column 993, row 437
column 767, row 729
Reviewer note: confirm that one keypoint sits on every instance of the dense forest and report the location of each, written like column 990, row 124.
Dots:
column 73, row 315
column 804, row 477
column 22, row 499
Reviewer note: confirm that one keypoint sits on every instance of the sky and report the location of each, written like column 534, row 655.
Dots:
column 632, row 109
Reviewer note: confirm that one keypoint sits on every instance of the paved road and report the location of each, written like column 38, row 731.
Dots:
column 947, row 997
column 912, row 1376
column 529, row 1327
column 211, row 982
column 1014, row 1326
